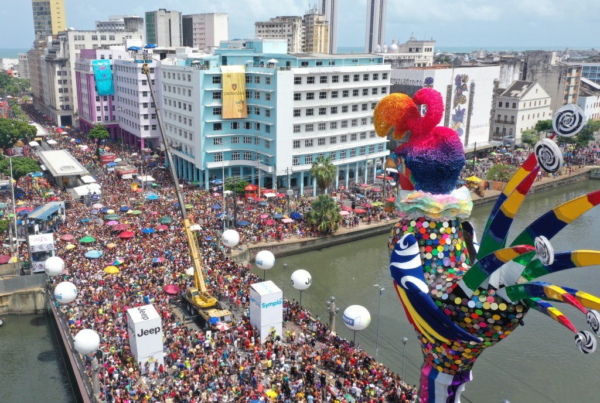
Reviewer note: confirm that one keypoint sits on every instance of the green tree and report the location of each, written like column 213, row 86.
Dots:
column 21, row 166
column 583, row 138
column 529, row 137
column 99, row 132
column 324, row 171
column 501, row 173
column 543, row 125
column 12, row 130
column 13, row 86
column 324, row 215
column 236, row 184
column 4, row 226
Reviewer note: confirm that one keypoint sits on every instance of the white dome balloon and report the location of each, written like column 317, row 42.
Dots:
column 65, row 292
column 301, row 280
column 54, row 266
column 231, row 238
column 265, row 260
column 87, row 341
column 357, row 317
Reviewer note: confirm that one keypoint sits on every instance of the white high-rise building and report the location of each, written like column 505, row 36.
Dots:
column 205, row 31
column 163, row 28
column 375, row 36
column 329, row 8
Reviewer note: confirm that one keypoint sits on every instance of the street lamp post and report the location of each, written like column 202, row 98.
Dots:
column 14, row 206
column 284, row 270
column 404, row 341
column 332, row 310
column 378, row 319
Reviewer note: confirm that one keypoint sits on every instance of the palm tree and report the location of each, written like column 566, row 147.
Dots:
column 324, row 171
column 324, row 215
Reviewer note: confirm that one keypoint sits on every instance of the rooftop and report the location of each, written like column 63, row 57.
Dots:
column 518, row 89
column 62, row 163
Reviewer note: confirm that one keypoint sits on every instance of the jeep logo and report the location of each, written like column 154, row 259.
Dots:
column 143, row 333
column 143, row 314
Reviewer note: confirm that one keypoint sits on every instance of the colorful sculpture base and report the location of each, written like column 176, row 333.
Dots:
column 437, row 387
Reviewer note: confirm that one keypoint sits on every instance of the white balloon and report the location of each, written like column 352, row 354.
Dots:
column 301, row 280
column 265, row 260
column 54, row 266
column 357, row 317
column 87, row 341
column 65, row 292
column 231, row 238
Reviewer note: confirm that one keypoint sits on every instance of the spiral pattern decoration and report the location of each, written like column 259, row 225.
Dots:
column 586, row 342
column 548, row 155
column 544, row 250
column 593, row 320
column 568, row 120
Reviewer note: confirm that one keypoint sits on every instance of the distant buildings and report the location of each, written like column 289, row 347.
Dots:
column 49, row 17
column 329, row 8
column 518, row 108
column 413, row 53
column 119, row 23
column 205, row 31
column 589, row 99
column 375, row 35
column 303, row 34
column 23, row 66
column 164, row 28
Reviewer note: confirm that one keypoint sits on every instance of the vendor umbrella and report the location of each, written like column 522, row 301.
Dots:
column 104, row 210
column 270, row 222
column 111, row 270
column 111, row 245
column 213, row 320
column 171, row 289
column 264, row 204
column 120, row 227
column 85, row 220
column 93, row 254
column 359, row 211
column 391, row 199
column 188, row 206
column 277, row 216
column 97, row 205
column 5, row 259
column 124, row 208
column 162, row 227
column 148, row 230
column 134, row 212
column 111, row 223
column 126, row 235
column 111, row 217
column 222, row 326
column 87, row 239
column 110, row 211
column 263, row 216
column 344, row 213
column 67, row 237
column 165, row 220
column 243, row 223
column 70, row 246
column 117, row 262
column 296, row 216
column 376, row 190
column 216, row 207
column 152, row 197
column 158, row 260
column 287, row 221
column 473, row 179
column 346, row 208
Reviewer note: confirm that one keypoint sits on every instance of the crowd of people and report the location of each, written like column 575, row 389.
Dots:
column 308, row 363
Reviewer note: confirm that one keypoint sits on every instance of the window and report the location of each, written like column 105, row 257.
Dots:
column 217, row 126
column 296, row 128
column 216, row 95
column 296, row 143
column 354, row 93
column 309, row 128
column 217, row 111
column 308, row 143
column 310, row 112
column 357, row 77
column 365, row 91
column 297, row 80
column 364, row 107
column 217, row 141
column 344, row 124
column 257, row 110
column 247, row 156
column 385, row 75
column 321, row 142
column 322, row 111
column 500, row 104
column 334, row 110
column 343, row 138
column 334, row 94
column 216, row 80
column 372, row 135
column 365, row 77
column 235, row 125
column 247, row 140
column 363, row 136
column 353, row 152
column 257, row 80
column 375, row 76
column 345, row 93
column 308, row 159
column 353, row 137
column 257, row 126
column 218, row 157
column 310, row 80
column 296, row 161
column 354, row 108
column 297, row 113
column 297, row 96
column 363, row 121
column 384, row 90
column 345, row 109
column 346, row 78
column 374, row 91
column 322, row 95
column 248, row 80
column 268, row 80
column 235, row 156
column 362, row 150
column 335, row 79
column 310, row 96
column 332, row 140
column 322, row 126
column 235, row 140
column 268, row 113
column 323, row 79
column 342, row 154
column 248, row 125
column 515, row 105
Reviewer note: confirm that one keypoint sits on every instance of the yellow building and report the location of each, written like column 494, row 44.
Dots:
column 49, row 17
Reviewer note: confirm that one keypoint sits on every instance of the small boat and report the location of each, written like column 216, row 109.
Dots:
column 1, row 322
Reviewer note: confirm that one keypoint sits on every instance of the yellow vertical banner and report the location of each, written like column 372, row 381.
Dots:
column 234, row 92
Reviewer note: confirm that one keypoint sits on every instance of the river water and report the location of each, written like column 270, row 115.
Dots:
column 538, row 363
column 31, row 369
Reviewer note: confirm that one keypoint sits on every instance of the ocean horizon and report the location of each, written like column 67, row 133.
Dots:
column 12, row 53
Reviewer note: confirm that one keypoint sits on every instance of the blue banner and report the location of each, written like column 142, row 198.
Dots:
column 103, row 75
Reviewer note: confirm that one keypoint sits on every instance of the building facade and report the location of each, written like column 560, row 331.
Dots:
column 49, row 17
column 329, row 8
column 205, row 31
column 163, row 28
column 23, row 66
column 288, row 28
column 589, row 99
column 121, row 23
column 316, row 33
column 305, row 107
column 413, row 53
column 375, row 35
column 519, row 107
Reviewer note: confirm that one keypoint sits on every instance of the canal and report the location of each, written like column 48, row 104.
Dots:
column 538, row 363
column 31, row 367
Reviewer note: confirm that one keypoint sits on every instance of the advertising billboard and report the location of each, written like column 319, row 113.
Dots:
column 103, row 76
column 234, row 92
column 145, row 335
column 41, row 247
column 266, row 308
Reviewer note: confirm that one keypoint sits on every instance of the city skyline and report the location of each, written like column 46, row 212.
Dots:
column 469, row 23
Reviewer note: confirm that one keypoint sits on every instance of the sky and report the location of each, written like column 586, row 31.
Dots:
column 453, row 23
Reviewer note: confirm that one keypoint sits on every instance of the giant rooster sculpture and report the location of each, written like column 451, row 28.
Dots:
column 463, row 297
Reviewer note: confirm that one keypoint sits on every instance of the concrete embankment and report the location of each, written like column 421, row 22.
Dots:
column 296, row 246
column 22, row 295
